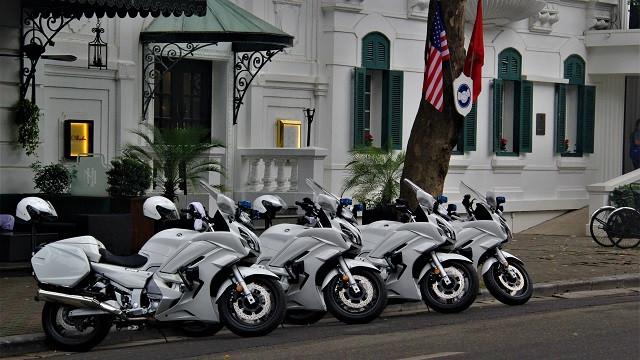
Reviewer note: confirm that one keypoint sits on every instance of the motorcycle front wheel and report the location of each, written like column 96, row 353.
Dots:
column 353, row 307
column 303, row 317
column 505, row 288
column 253, row 319
column 454, row 297
column 73, row 333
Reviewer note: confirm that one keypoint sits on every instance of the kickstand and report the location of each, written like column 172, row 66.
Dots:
column 163, row 335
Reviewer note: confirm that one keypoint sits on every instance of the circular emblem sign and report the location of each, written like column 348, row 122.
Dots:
column 463, row 93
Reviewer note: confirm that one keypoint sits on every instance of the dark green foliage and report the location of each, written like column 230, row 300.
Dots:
column 626, row 198
column 178, row 155
column 128, row 177
column 375, row 175
column 53, row 178
column 27, row 116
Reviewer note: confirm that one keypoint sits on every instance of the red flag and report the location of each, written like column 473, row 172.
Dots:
column 437, row 51
column 475, row 55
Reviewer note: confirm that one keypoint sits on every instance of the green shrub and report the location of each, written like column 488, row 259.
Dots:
column 128, row 177
column 27, row 116
column 626, row 198
column 53, row 178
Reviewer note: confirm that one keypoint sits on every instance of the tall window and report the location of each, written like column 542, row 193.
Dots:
column 467, row 140
column 575, row 111
column 512, row 106
column 183, row 98
column 377, row 96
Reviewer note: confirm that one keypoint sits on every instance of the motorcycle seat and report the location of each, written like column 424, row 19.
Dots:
column 131, row 261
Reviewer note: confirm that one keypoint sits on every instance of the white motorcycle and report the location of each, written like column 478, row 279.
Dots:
column 180, row 277
column 317, row 268
column 481, row 237
column 410, row 257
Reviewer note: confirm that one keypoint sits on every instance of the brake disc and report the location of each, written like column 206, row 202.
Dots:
column 365, row 285
column 261, row 295
column 452, row 291
column 513, row 285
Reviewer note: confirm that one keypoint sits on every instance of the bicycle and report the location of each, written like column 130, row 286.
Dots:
column 620, row 227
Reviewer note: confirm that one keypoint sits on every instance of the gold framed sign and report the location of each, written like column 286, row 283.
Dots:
column 288, row 133
column 78, row 138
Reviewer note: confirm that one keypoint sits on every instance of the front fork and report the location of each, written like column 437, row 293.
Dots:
column 347, row 273
column 440, row 268
column 505, row 263
column 240, row 281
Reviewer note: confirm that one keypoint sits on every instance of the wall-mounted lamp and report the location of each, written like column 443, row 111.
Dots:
column 309, row 114
column 97, row 51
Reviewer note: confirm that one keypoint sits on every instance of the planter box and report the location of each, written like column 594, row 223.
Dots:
column 16, row 246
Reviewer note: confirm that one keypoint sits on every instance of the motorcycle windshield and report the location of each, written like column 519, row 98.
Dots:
column 317, row 189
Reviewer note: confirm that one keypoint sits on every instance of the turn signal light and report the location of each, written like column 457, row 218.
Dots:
column 239, row 288
column 345, row 278
column 436, row 271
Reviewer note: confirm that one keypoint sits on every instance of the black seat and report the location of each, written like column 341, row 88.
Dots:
column 131, row 261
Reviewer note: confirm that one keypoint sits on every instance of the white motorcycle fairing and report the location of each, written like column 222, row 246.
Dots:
column 491, row 260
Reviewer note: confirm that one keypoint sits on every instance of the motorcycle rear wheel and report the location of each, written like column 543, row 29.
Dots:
column 356, row 308
column 259, row 318
column 303, row 317
column 73, row 334
column 506, row 290
column 454, row 297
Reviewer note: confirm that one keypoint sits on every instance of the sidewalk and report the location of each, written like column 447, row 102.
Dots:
column 556, row 254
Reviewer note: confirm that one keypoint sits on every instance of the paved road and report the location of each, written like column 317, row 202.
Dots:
column 594, row 325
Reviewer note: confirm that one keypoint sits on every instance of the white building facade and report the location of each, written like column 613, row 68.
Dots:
column 334, row 40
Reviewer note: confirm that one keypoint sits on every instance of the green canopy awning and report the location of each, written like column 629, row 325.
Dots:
column 223, row 22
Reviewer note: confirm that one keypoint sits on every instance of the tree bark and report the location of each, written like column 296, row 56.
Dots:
column 434, row 134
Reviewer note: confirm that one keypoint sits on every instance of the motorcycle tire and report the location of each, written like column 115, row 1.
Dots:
column 506, row 290
column 352, row 308
column 200, row 329
column 455, row 297
column 260, row 318
column 62, row 332
column 303, row 317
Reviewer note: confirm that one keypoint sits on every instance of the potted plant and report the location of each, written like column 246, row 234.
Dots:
column 374, row 173
column 27, row 117
column 128, row 178
column 503, row 144
column 566, row 145
column 53, row 178
column 178, row 156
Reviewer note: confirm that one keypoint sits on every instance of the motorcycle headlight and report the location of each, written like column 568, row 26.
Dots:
column 251, row 240
column 348, row 235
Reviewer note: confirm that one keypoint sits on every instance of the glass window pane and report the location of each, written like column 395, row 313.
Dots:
column 186, row 83
column 186, row 107
column 197, row 80
column 166, row 83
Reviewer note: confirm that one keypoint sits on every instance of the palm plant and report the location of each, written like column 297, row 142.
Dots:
column 178, row 155
column 374, row 173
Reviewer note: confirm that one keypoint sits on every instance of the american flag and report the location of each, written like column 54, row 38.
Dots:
column 437, row 51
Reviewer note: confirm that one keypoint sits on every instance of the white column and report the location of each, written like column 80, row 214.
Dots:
column 266, row 180
column 253, row 174
column 293, row 179
column 280, row 179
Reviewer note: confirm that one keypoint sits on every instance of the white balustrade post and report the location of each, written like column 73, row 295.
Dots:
column 293, row 179
column 280, row 179
column 253, row 174
column 266, row 180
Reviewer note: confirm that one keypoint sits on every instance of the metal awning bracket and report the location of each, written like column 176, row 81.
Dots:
column 245, row 70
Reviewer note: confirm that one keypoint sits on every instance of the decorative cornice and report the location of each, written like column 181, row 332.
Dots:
column 599, row 16
column 542, row 22
column 501, row 12
column 342, row 5
column 417, row 9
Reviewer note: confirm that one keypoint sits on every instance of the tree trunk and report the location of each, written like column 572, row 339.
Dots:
column 435, row 134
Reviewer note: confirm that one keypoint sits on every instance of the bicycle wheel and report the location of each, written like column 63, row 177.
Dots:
column 623, row 227
column 597, row 226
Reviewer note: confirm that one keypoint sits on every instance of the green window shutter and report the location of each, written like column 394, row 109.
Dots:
column 468, row 140
column 375, row 51
column 586, row 121
column 393, row 81
column 561, row 116
column 509, row 64
column 497, row 113
column 359, row 99
column 574, row 69
column 526, row 117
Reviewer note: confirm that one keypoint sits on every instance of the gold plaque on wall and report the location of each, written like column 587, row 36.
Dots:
column 288, row 133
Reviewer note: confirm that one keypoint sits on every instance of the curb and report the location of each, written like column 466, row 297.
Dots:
column 21, row 344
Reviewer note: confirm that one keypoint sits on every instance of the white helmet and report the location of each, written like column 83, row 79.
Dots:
column 158, row 207
column 35, row 209
column 265, row 202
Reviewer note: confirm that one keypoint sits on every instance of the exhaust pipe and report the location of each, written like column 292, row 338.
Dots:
column 79, row 301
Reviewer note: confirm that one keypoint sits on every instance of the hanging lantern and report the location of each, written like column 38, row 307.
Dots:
column 97, row 55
